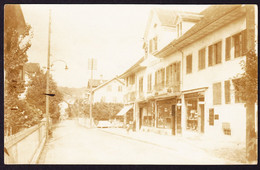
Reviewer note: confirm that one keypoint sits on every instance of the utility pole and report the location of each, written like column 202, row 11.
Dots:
column 47, row 81
column 91, row 67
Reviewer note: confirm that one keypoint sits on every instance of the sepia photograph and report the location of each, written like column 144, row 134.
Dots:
column 130, row 84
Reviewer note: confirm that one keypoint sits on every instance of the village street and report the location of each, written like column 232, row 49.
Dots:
column 74, row 144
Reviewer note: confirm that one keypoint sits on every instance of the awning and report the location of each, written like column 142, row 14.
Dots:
column 124, row 110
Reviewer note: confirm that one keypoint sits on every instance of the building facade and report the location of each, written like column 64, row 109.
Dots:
column 185, row 84
column 109, row 92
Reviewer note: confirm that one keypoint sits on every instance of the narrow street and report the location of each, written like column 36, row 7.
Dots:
column 73, row 144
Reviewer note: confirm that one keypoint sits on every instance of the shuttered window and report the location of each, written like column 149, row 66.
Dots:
column 215, row 51
column 188, row 64
column 217, row 93
column 202, row 58
column 227, row 92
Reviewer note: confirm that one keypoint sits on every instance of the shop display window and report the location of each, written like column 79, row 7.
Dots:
column 192, row 115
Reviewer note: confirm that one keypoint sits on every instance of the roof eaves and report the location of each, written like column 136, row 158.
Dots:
column 197, row 27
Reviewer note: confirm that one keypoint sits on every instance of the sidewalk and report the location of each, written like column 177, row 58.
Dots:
column 208, row 150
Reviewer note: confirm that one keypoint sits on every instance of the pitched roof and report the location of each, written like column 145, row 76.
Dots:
column 31, row 67
column 107, row 82
column 169, row 17
column 215, row 17
column 95, row 82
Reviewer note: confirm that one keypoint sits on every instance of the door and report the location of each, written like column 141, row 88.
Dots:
column 140, row 117
column 202, row 117
column 173, row 119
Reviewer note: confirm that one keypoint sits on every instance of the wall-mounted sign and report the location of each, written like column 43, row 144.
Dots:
column 211, row 116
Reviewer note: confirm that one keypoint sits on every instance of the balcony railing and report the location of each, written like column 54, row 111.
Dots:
column 170, row 87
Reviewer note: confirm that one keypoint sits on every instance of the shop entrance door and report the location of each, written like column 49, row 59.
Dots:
column 201, row 106
column 140, row 117
column 173, row 119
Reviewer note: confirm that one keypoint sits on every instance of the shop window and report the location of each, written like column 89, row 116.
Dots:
column 189, row 64
column 192, row 114
column 217, row 93
column 211, row 117
column 214, row 56
column 226, row 128
column 227, row 92
column 202, row 58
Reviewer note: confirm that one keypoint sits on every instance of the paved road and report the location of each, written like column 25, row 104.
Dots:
column 73, row 144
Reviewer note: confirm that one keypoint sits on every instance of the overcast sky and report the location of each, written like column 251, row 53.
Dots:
column 110, row 33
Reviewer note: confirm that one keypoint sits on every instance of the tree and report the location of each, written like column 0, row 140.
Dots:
column 247, row 85
column 17, row 38
column 35, row 94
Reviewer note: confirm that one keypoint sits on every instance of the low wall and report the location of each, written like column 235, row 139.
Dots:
column 25, row 146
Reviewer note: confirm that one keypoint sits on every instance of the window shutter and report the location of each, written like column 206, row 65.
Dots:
column 178, row 70
column 217, row 93
column 150, row 46
column 210, row 55
column 227, row 92
column 219, row 51
column 189, row 64
column 244, row 42
column 155, row 79
column 228, row 48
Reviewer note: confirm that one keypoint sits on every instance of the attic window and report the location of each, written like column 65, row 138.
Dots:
column 179, row 29
column 155, row 25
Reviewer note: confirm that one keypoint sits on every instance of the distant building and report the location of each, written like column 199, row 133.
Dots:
column 109, row 92
column 184, row 83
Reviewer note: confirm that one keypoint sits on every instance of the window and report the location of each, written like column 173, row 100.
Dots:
column 215, row 54
column 226, row 128
column 160, row 78
column 202, row 58
column 179, row 29
column 227, row 92
column 131, row 80
column 228, row 48
column 119, row 88
column 149, row 82
column 141, row 84
column 153, row 45
column 109, row 88
column 173, row 75
column 239, row 42
column 217, row 93
column 189, row 64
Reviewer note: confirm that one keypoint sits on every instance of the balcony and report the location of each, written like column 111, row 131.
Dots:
column 169, row 88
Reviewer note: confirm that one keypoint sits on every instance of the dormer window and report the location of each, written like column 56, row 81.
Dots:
column 153, row 45
column 179, row 29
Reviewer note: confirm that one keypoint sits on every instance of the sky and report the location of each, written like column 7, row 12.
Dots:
column 112, row 34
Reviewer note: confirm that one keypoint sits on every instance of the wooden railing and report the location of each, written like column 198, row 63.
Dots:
column 25, row 146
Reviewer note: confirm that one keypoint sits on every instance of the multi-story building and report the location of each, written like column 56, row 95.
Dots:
column 184, row 83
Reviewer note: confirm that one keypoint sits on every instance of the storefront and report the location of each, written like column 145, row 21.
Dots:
column 195, row 117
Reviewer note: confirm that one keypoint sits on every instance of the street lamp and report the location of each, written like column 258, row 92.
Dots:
column 47, row 77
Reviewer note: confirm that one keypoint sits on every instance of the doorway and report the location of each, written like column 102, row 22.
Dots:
column 140, row 117
column 201, row 106
column 173, row 119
